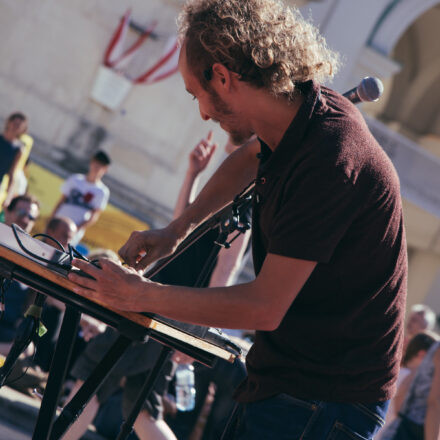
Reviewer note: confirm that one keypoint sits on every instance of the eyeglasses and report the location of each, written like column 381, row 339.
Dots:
column 23, row 213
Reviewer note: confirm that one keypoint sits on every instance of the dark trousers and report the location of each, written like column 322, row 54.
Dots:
column 284, row 417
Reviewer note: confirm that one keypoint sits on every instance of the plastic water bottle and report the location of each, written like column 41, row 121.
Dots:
column 185, row 391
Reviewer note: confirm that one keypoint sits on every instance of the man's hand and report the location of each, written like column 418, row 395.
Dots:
column 201, row 155
column 145, row 247
column 116, row 286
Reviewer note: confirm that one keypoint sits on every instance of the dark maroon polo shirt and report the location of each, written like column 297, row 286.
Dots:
column 329, row 193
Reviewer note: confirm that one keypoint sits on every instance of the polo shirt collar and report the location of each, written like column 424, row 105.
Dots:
column 273, row 163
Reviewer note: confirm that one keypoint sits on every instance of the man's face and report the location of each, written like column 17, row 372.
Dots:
column 24, row 215
column 64, row 233
column 97, row 169
column 215, row 107
column 416, row 323
column 15, row 128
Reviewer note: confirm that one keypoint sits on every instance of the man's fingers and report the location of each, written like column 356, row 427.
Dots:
column 108, row 264
column 83, row 291
column 82, row 280
column 132, row 248
column 144, row 262
column 86, row 267
column 199, row 152
column 209, row 136
column 201, row 148
column 124, row 252
column 130, row 254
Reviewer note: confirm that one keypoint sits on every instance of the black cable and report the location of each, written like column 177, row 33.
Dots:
column 33, row 255
column 72, row 252
column 51, row 238
column 16, row 379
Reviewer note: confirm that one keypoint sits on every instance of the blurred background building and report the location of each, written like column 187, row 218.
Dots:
column 52, row 52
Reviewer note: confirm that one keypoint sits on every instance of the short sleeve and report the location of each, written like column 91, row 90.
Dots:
column 103, row 200
column 100, row 198
column 313, row 216
column 67, row 186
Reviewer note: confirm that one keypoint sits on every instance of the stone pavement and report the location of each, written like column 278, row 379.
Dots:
column 18, row 414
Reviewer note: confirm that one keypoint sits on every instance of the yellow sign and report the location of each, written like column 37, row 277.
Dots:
column 112, row 229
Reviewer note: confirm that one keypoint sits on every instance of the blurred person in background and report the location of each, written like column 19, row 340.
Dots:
column 19, row 296
column 420, row 318
column 12, row 150
column 20, row 180
column 62, row 229
column 414, row 354
column 119, row 390
column 137, row 361
column 223, row 377
column 84, row 197
column 22, row 211
column 419, row 415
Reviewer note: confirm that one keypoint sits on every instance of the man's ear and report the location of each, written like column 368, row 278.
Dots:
column 222, row 75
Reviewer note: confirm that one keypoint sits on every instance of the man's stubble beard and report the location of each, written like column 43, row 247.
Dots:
column 223, row 112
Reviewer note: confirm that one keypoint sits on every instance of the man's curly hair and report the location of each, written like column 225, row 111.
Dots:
column 268, row 44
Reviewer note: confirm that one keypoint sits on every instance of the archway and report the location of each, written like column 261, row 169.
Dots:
column 407, row 34
column 396, row 20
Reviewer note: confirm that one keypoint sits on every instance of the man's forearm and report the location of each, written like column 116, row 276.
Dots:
column 235, row 306
column 233, row 175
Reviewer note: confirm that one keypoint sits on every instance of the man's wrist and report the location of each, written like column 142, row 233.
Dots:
column 179, row 228
column 146, row 296
column 192, row 173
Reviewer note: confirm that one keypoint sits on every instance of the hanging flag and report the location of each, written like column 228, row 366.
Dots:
column 125, row 58
column 115, row 49
column 164, row 67
column 114, row 79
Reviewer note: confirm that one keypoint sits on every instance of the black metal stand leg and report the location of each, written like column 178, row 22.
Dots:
column 27, row 332
column 127, row 426
column 57, row 374
column 75, row 407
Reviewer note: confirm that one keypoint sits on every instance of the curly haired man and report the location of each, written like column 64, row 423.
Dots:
column 328, row 238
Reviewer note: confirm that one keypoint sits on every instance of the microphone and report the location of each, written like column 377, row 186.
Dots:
column 369, row 89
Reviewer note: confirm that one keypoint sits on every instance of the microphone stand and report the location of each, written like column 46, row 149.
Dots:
column 29, row 329
column 229, row 219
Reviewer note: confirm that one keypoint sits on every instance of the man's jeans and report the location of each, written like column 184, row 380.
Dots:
column 286, row 418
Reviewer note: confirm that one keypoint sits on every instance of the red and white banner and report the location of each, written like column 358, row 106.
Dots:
column 165, row 66
column 118, row 59
column 115, row 49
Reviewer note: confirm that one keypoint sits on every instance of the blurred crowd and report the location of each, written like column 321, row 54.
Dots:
column 82, row 199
